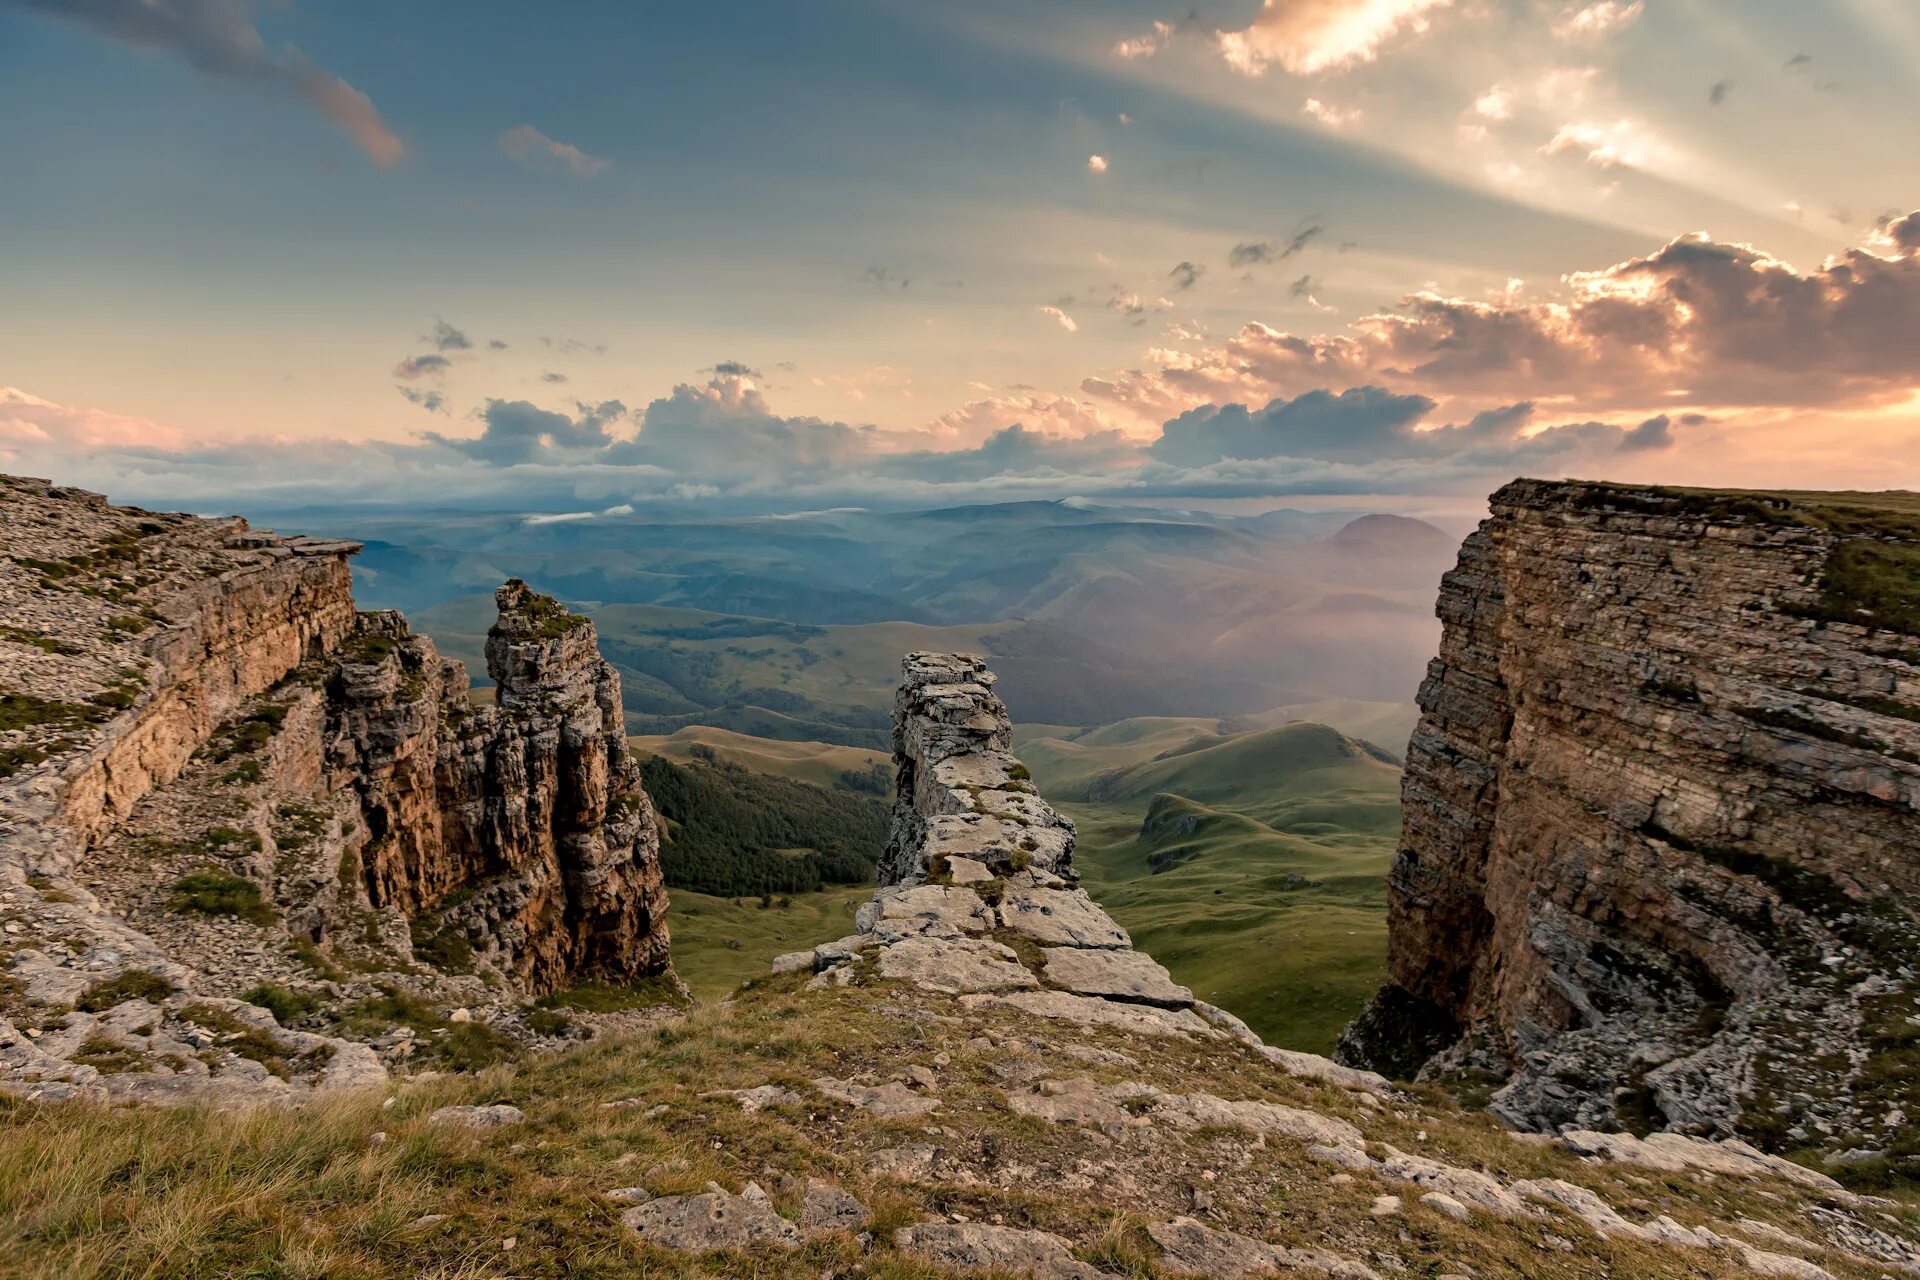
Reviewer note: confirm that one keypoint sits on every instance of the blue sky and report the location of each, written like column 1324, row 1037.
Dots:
column 924, row 224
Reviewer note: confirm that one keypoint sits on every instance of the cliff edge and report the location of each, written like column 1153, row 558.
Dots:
column 253, row 841
column 1661, row 847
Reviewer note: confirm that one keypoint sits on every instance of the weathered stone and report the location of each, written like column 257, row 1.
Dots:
column 976, row 1246
column 890, row 1101
column 1130, row 976
column 955, row 965
column 825, row 1207
column 714, row 1220
column 1060, row 918
column 1090, row 1011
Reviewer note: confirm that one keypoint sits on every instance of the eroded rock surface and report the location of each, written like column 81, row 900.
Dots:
column 217, row 778
column 1661, row 843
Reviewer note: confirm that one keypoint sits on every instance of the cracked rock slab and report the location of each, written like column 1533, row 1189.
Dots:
column 825, row 1207
column 955, row 965
column 977, row 1246
column 1089, row 1011
column 714, row 1220
column 1061, row 918
column 890, row 1101
column 1132, row 976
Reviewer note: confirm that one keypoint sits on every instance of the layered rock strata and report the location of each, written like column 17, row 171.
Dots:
column 217, row 778
column 1661, row 844
column 979, row 898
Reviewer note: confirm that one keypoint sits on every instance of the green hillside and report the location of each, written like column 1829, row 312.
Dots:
column 821, row 764
column 1253, row 864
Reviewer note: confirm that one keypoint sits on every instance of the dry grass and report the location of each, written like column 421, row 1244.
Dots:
column 94, row 1192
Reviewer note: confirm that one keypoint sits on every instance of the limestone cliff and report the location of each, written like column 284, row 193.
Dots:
column 217, row 778
column 1661, row 844
column 979, row 898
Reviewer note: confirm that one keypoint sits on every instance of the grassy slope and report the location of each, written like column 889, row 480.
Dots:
column 818, row 763
column 703, row 926
column 1274, row 905
column 351, row 1189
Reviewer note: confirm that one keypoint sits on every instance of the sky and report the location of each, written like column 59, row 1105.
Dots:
column 922, row 251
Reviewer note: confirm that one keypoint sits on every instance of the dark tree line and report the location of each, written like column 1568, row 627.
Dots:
column 730, row 831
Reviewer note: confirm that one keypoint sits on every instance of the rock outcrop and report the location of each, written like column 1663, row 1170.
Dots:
column 1661, row 843
column 217, row 778
column 979, row 898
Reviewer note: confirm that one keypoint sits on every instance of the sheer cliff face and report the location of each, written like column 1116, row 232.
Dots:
column 1661, row 845
column 215, row 774
column 522, row 826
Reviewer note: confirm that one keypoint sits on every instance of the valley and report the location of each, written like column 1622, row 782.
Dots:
column 1248, row 855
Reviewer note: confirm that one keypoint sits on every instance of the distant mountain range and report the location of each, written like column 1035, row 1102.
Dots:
column 792, row 626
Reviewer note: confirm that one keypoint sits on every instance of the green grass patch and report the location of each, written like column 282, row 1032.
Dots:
column 285, row 1004
column 220, row 893
column 599, row 997
column 134, row 984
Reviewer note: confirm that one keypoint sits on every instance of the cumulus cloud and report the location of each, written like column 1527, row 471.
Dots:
column 535, row 149
column 1305, row 37
column 1698, row 321
column 517, row 431
column 218, row 39
column 1060, row 317
column 1186, row 274
column 1597, row 21
column 1096, row 164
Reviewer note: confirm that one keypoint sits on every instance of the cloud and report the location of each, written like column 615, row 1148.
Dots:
column 1064, row 320
column 1589, row 22
column 1317, row 424
column 1901, row 234
column 519, row 432
column 1305, row 37
column 29, row 421
column 1614, row 143
column 431, row 365
column 1185, row 275
column 1717, row 94
column 431, row 401
column 977, row 420
column 574, row 346
column 534, row 149
column 494, row 344
column 551, row 376
column 445, row 337
column 1251, row 252
column 1096, row 164
column 218, row 39
column 1696, row 322
column 1331, row 116
column 1308, row 289
column 734, row 369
